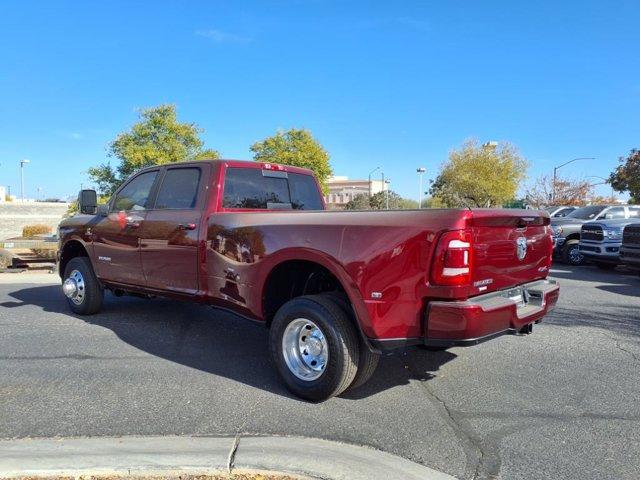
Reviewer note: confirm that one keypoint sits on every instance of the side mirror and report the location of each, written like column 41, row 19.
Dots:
column 103, row 210
column 87, row 202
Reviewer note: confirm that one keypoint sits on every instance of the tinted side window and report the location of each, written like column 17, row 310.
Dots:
column 248, row 188
column 634, row 212
column 134, row 195
column 179, row 188
column 304, row 192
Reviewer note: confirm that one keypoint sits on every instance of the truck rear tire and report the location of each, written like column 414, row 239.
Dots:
column 368, row 361
column 81, row 287
column 314, row 347
column 571, row 253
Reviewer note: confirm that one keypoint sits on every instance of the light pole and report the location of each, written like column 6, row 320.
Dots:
column 22, row 164
column 371, row 173
column 555, row 170
column 420, row 171
column 386, row 192
column 605, row 180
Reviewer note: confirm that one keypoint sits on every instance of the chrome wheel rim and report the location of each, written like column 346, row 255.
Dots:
column 305, row 349
column 74, row 287
column 575, row 255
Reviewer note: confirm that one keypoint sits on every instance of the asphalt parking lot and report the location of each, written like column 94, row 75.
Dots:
column 560, row 403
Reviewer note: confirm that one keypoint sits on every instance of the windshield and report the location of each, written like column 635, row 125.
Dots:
column 550, row 209
column 587, row 213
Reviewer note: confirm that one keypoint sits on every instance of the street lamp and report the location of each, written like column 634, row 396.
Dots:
column 420, row 171
column 386, row 183
column 22, row 164
column 371, row 173
column 555, row 170
column 605, row 181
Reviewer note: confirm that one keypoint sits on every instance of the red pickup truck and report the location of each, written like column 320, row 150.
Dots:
column 335, row 288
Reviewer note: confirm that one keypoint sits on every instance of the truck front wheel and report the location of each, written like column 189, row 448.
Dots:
column 571, row 253
column 314, row 347
column 81, row 287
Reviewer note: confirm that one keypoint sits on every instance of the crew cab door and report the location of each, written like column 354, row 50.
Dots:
column 116, row 238
column 169, row 237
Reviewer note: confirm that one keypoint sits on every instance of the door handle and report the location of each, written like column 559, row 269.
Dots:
column 187, row 226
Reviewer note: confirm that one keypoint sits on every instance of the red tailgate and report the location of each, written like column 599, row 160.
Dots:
column 510, row 247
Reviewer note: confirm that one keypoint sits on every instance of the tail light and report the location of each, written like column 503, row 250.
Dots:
column 273, row 166
column 453, row 259
column 551, row 244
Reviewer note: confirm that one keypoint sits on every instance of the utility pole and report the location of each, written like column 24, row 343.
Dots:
column 22, row 164
column 420, row 171
column 555, row 171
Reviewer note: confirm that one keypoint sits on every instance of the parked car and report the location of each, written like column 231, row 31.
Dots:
column 566, row 231
column 600, row 241
column 558, row 211
column 630, row 248
column 336, row 288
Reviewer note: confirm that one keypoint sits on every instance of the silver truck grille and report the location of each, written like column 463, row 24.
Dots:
column 593, row 233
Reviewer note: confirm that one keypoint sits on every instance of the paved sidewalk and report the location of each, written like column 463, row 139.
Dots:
column 17, row 278
column 310, row 458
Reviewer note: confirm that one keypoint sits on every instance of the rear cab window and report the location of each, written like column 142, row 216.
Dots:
column 634, row 212
column 615, row 213
column 179, row 189
column 260, row 189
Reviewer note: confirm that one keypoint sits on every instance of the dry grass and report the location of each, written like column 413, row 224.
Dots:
column 45, row 252
column 31, row 231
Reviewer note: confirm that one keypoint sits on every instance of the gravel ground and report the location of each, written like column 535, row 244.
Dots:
column 560, row 403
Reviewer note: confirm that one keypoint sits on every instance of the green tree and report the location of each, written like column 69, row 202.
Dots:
column 379, row 202
column 626, row 177
column 157, row 138
column 295, row 147
column 432, row 202
column 480, row 176
column 359, row 202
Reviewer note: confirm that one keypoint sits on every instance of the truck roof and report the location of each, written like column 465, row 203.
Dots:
column 239, row 164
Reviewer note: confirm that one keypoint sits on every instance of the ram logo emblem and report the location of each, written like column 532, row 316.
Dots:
column 521, row 244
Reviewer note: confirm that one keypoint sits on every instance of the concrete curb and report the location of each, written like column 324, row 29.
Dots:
column 172, row 454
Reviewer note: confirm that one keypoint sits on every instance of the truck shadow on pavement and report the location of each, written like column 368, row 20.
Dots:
column 215, row 341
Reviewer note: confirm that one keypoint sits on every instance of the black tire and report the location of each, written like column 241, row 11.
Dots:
column 368, row 361
column 341, row 338
column 605, row 266
column 93, row 293
column 571, row 254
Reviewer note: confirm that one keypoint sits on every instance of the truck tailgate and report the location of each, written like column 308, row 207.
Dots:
column 510, row 247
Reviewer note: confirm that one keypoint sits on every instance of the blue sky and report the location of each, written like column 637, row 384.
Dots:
column 389, row 84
